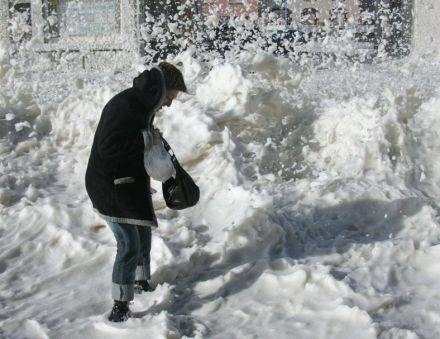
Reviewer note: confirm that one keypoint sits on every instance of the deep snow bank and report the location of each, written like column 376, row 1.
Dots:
column 318, row 214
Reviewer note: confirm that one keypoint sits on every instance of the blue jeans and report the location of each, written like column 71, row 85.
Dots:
column 132, row 260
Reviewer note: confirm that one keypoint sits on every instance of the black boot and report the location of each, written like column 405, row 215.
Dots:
column 120, row 311
column 142, row 286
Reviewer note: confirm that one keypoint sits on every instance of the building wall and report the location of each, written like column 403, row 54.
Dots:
column 114, row 29
column 295, row 7
column 231, row 7
column 324, row 8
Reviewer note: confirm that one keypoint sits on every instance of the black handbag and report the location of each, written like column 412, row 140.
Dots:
column 180, row 192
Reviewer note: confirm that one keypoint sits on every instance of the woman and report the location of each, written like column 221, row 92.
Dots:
column 126, row 151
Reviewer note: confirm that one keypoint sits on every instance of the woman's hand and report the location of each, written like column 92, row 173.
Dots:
column 157, row 136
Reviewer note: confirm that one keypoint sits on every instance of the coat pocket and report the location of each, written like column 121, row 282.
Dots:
column 131, row 195
column 124, row 180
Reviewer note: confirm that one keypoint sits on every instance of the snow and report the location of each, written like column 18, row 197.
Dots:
column 425, row 29
column 318, row 215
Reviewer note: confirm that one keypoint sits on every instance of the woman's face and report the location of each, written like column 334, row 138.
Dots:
column 169, row 97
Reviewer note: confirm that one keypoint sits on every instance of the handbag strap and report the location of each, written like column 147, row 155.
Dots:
column 170, row 151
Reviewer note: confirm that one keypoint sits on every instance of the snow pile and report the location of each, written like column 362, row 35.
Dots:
column 425, row 27
column 425, row 125
column 317, row 219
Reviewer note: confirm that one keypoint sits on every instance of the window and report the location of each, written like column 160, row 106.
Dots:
column 80, row 18
column 20, row 13
column 309, row 16
column 339, row 15
column 367, row 5
column 88, row 17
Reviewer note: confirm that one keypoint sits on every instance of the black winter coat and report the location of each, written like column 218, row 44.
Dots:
column 116, row 180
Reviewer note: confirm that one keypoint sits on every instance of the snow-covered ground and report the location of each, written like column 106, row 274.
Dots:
column 318, row 215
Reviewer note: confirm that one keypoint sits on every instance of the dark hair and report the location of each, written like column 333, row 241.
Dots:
column 173, row 77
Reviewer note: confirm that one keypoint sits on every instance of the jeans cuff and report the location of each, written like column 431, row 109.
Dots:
column 142, row 272
column 123, row 292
